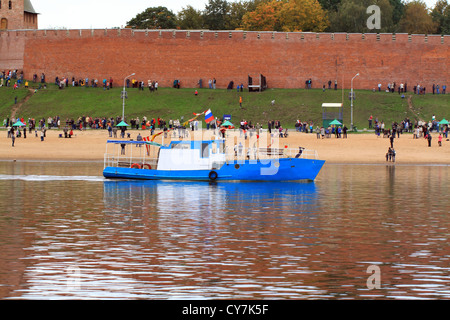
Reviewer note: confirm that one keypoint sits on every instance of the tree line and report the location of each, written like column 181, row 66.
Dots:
column 396, row 16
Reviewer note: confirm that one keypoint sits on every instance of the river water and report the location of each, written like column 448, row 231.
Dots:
column 357, row 232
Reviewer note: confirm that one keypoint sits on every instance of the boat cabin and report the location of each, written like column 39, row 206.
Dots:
column 178, row 155
column 192, row 155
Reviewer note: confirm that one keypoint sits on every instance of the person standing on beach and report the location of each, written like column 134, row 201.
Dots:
column 13, row 139
column 391, row 138
column 429, row 139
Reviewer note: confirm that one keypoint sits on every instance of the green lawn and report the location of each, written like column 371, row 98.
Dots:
column 169, row 103
column 7, row 99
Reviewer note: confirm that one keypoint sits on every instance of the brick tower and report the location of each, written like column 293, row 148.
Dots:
column 17, row 14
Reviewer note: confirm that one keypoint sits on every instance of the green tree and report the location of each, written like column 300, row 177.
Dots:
column 216, row 14
column 417, row 20
column 398, row 10
column 441, row 16
column 190, row 19
column 237, row 11
column 352, row 16
column 330, row 5
column 154, row 18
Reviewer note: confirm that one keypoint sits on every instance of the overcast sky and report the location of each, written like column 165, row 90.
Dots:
column 100, row 14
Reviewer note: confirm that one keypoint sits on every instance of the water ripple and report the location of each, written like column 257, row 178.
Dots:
column 66, row 237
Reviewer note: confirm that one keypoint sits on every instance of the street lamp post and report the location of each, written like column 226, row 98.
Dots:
column 351, row 99
column 124, row 95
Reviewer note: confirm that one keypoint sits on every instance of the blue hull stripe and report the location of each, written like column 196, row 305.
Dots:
column 276, row 170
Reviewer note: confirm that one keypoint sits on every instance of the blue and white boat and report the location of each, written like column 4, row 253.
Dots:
column 207, row 160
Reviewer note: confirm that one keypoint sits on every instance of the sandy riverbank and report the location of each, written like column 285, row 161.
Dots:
column 357, row 148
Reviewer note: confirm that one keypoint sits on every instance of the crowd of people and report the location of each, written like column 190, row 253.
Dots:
column 8, row 77
column 417, row 89
column 15, row 78
column 393, row 87
column 106, row 83
column 419, row 128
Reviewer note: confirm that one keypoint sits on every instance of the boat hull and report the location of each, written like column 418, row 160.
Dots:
column 286, row 169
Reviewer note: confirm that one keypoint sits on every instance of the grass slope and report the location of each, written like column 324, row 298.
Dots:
column 169, row 103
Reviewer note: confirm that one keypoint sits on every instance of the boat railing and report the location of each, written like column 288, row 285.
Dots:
column 302, row 152
column 112, row 160
column 273, row 153
column 268, row 153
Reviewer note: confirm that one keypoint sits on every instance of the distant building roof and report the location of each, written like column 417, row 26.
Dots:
column 28, row 7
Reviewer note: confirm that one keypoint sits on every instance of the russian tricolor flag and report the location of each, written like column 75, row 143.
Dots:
column 208, row 116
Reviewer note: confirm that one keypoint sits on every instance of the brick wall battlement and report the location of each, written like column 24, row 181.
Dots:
column 208, row 35
column 287, row 59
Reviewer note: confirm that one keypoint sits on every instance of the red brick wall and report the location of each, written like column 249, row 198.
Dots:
column 30, row 21
column 15, row 15
column 286, row 59
column 12, row 48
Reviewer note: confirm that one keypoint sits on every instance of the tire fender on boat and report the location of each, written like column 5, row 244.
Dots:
column 135, row 166
column 146, row 166
column 212, row 175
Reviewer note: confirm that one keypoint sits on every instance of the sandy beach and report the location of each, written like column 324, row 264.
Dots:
column 367, row 148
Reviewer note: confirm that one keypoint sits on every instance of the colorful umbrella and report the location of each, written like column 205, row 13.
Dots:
column 227, row 124
column 123, row 124
column 335, row 122
column 19, row 124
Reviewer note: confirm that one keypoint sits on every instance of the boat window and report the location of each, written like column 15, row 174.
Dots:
column 205, row 150
column 181, row 146
column 222, row 147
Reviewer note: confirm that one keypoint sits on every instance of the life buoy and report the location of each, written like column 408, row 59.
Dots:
column 135, row 166
column 146, row 166
column 212, row 175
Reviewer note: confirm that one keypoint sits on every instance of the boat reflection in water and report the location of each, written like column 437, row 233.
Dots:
column 207, row 240
column 153, row 196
